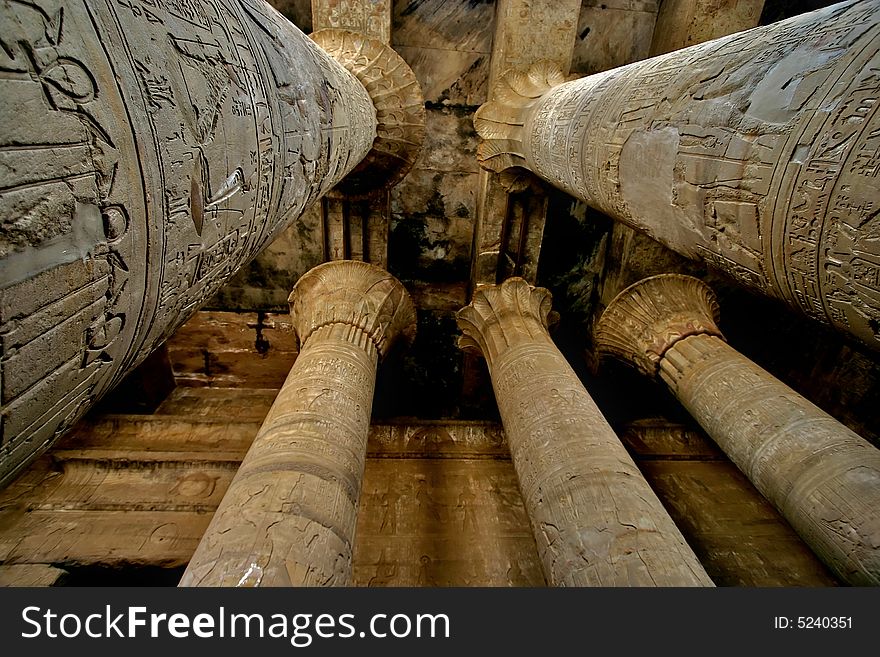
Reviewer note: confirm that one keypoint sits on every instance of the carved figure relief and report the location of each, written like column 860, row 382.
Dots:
column 150, row 148
column 756, row 152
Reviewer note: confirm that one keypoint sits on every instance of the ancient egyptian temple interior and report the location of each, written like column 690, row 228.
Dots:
column 430, row 293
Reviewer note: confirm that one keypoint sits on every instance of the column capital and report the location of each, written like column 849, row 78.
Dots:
column 357, row 294
column 399, row 103
column 502, row 316
column 648, row 317
column 500, row 122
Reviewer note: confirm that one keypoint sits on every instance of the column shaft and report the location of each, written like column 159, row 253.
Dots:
column 823, row 477
column 596, row 520
column 756, row 152
column 289, row 516
column 155, row 150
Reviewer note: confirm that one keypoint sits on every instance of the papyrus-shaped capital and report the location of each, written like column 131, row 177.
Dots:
column 356, row 294
column 648, row 317
column 503, row 316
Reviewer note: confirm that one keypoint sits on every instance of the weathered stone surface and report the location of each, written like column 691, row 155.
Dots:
column 265, row 282
column 371, row 18
column 289, row 516
column 400, row 110
column 821, row 476
column 752, row 152
column 121, row 491
column 594, row 517
column 462, row 525
column 30, row 575
column 225, row 349
column 450, row 141
column 612, row 33
column 432, row 225
column 739, row 537
column 449, row 78
column 140, row 175
column 683, row 23
column 643, row 323
column 525, row 33
column 447, row 45
column 633, row 255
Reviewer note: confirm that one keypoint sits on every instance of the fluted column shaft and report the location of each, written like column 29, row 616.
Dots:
column 289, row 516
column 595, row 519
column 821, row 476
column 757, row 153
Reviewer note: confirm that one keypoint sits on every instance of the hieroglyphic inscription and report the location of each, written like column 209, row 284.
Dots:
column 773, row 435
column 290, row 514
column 757, row 152
column 594, row 517
column 665, row 327
column 149, row 149
column 371, row 18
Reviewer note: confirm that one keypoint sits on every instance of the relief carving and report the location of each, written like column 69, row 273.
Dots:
column 289, row 515
column 665, row 327
column 570, row 465
column 149, row 150
column 756, row 152
column 400, row 109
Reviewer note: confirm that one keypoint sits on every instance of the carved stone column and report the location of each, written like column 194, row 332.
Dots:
column 149, row 150
column 595, row 519
column 289, row 516
column 758, row 153
column 820, row 475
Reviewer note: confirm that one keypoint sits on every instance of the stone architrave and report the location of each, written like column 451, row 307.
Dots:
column 595, row 519
column 148, row 151
column 289, row 515
column 758, row 153
column 820, row 475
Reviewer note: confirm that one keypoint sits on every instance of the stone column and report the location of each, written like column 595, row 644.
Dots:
column 149, row 151
column 758, row 153
column 595, row 519
column 819, row 474
column 289, row 516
